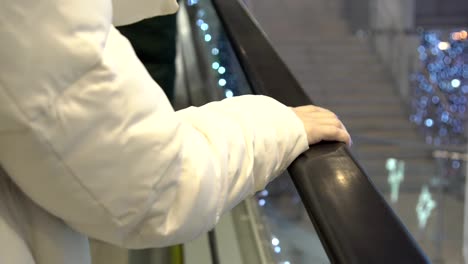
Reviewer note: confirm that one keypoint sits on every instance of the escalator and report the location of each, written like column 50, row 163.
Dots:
column 330, row 207
column 365, row 75
column 326, row 209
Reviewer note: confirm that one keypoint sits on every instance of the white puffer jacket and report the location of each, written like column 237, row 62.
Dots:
column 90, row 146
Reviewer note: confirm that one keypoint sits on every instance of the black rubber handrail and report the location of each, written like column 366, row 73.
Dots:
column 353, row 220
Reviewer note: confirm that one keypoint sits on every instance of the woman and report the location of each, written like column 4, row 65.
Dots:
column 90, row 146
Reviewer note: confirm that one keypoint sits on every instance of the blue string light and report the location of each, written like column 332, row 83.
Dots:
column 215, row 47
column 441, row 89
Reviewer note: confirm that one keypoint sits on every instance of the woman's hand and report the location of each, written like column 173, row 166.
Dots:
column 322, row 124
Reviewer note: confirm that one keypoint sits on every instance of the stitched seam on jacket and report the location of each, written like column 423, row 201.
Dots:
column 54, row 99
column 77, row 179
column 57, row 97
column 49, row 145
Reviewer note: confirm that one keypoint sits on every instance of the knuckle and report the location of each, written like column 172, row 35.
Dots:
column 335, row 131
column 332, row 114
column 313, row 108
column 337, row 123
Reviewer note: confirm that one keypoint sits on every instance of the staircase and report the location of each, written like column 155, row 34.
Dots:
column 339, row 71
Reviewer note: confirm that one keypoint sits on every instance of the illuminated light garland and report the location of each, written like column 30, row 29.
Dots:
column 210, row 38
column 441, row 88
